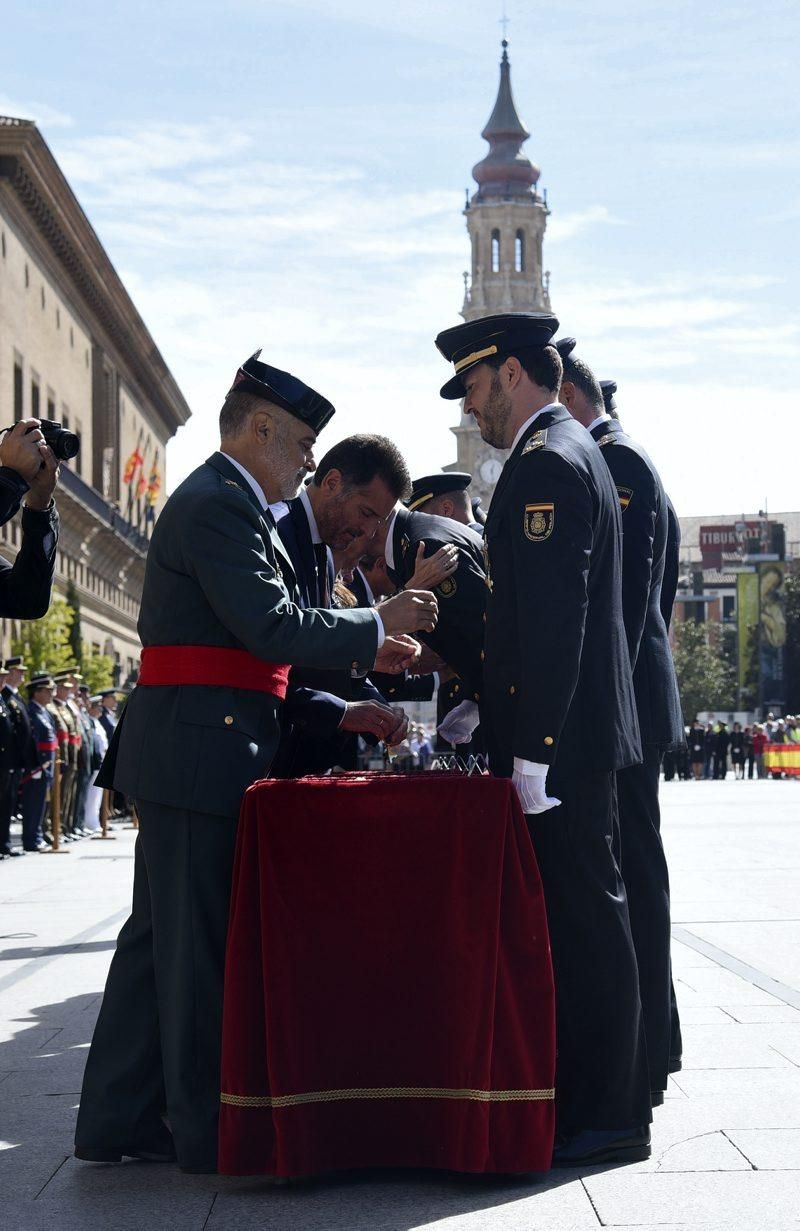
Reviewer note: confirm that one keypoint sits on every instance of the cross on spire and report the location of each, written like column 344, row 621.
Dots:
column 504, row 20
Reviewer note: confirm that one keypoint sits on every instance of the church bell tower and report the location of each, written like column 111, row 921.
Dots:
column 506, row 220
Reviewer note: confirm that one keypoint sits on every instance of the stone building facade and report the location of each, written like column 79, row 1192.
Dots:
column 506, row 220
column 74, row 348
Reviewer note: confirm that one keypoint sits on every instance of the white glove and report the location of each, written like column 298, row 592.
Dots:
column 459, row 724
column 529, row 779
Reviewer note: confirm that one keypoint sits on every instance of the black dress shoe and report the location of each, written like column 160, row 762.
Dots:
column 594, row 1146
column 155, row 1155
column 10, row 853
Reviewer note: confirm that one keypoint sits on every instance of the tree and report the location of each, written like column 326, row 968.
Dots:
column 705, row 679
column 45, row 644
column 98, row 669
column 74, row 601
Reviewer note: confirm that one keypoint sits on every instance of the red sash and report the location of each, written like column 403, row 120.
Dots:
column 212, row 665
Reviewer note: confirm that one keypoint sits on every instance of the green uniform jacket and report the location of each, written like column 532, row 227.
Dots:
column 218, row 575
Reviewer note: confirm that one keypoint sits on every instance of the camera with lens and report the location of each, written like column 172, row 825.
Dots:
column 65, row 444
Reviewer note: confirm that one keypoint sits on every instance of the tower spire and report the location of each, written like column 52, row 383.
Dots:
column 505, row 171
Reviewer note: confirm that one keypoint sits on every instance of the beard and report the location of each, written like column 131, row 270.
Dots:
column 495, row 415
column 288, row 478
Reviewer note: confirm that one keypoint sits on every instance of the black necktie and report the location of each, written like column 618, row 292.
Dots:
column 323, row 588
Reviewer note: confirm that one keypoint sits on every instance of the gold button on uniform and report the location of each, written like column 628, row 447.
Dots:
column 228, row 720
column 548, row 739
column 483, row 656
column 456, row 688
column 512, row 690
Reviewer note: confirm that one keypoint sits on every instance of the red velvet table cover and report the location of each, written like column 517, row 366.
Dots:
column 388, row 992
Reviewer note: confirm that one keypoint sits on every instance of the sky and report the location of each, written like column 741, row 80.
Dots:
column 292, row 176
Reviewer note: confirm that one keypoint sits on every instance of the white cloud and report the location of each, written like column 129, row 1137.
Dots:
column 346, row 280
column 562, row 227
column 28, row 109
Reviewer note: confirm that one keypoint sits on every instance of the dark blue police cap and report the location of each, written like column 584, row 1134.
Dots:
column 475, row 341
column 284, row 390
column 609, row 388
column 565, row 346
column 432, row 485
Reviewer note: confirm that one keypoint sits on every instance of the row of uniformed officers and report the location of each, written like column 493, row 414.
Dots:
column 264, row 621
column 46, row 728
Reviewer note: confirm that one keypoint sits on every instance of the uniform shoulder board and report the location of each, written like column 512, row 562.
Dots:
column 606, row 440
column 537, row 441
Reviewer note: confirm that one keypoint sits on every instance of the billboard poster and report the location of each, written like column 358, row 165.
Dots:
column 747, row 614
column 772, row 630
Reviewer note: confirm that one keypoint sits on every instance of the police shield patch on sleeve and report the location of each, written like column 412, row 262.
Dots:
column 538, row 521
column 625, row 496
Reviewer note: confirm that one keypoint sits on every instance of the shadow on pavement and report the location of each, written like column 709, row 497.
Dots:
column 44, row 1187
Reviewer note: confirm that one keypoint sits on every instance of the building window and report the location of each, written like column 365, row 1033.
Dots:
column 519, row 252
column 728, row 606
column 79, row 434
column 495, row 252
column 51, row 404
column 3, row 244
column 35, row 396
column 58, row 318
column 71, row 336
column 27, row 276
column 43, row 299
column 87, row 358
column 17, row 387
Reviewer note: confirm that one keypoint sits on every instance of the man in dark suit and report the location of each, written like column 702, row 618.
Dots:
column 559, row 711
column 355, row 487
column 645, row 525
column 220, row 625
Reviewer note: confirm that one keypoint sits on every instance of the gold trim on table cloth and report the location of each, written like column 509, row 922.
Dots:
column 387, row 1092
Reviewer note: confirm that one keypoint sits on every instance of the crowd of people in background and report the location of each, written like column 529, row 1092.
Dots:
column 54, row 727
column 713, row 749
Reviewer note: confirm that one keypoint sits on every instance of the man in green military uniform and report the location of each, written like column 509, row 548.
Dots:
column 69, row 740
column 220, row 626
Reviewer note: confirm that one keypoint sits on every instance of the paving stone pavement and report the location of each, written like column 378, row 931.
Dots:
column 726, row 1144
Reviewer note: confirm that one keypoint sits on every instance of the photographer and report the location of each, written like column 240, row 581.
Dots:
column 29, row 470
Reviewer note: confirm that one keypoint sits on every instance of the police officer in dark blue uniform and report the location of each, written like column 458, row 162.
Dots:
column 560, row 713
column 22, row 747
column 458, row 636
column 445, row 495
column 645, row 524
column 39, row 779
